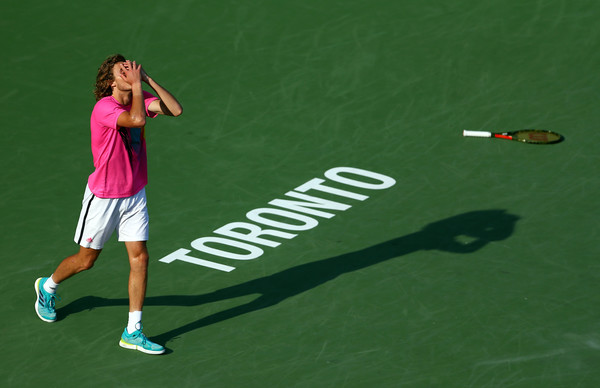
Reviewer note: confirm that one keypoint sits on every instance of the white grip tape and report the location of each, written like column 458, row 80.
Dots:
column 477, row 133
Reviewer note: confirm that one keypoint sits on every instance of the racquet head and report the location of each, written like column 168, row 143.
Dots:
column 536, row 136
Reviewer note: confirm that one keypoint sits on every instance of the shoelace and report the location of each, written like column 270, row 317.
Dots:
column 140, row 335
column 50, row 302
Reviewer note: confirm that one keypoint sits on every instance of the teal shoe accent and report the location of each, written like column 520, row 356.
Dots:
column 138, row 341
column 44, row 302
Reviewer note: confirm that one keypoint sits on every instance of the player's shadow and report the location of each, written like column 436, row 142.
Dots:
column 460, row 234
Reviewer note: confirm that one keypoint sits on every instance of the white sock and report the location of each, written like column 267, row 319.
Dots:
column 50, row 286
column 135, row 321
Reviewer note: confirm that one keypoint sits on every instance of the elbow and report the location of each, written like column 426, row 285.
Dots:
column 178, row 111
column 138, row 122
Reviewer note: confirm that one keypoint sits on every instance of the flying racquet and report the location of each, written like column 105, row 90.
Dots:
column 531, row 136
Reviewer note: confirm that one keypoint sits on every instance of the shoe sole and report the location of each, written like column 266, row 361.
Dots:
column 126, row 345
column 36, row 286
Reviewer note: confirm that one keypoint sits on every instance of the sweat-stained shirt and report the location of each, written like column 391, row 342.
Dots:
column 119, row 153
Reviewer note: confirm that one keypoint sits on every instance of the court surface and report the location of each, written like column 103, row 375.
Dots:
column 478, row 268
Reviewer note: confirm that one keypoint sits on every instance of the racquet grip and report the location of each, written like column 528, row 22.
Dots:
column 477, row 133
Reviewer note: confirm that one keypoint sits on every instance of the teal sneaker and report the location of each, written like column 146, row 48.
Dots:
column 138, row 341
column 44, row 303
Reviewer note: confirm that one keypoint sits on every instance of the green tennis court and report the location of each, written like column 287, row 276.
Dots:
column 478, row 267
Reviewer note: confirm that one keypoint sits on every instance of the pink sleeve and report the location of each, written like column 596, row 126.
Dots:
column 106, row 113
column 148, row 98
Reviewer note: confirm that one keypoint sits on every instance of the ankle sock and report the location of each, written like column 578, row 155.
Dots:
column 50, row 286
column 135, row 321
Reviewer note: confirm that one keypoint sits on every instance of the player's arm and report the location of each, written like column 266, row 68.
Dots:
column 136, row 117
column 167, row 104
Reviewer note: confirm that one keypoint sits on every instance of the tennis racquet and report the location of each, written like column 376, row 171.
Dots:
column 531, row 136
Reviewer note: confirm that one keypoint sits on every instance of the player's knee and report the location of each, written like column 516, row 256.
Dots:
column 140, row 261
column 86, row 263
column 87, row 259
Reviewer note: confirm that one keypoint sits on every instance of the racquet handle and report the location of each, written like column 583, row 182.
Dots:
column 477, row 133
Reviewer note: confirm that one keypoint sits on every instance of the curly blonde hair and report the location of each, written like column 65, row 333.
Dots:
column 105, row 76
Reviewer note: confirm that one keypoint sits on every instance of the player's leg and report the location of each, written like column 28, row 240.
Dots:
column 81, row 261
column 45, row 288
column 97, row 222
column 133, row 337
column 133, row 231
column 138, row 273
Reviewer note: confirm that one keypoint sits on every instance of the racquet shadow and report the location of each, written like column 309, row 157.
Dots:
column 462, row 234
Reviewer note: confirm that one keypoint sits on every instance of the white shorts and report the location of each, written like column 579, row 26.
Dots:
column 100, row 217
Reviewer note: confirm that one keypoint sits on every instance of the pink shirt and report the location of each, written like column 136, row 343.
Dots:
column 119, row 153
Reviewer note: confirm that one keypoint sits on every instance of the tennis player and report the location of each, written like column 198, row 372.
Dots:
column 115, row 197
